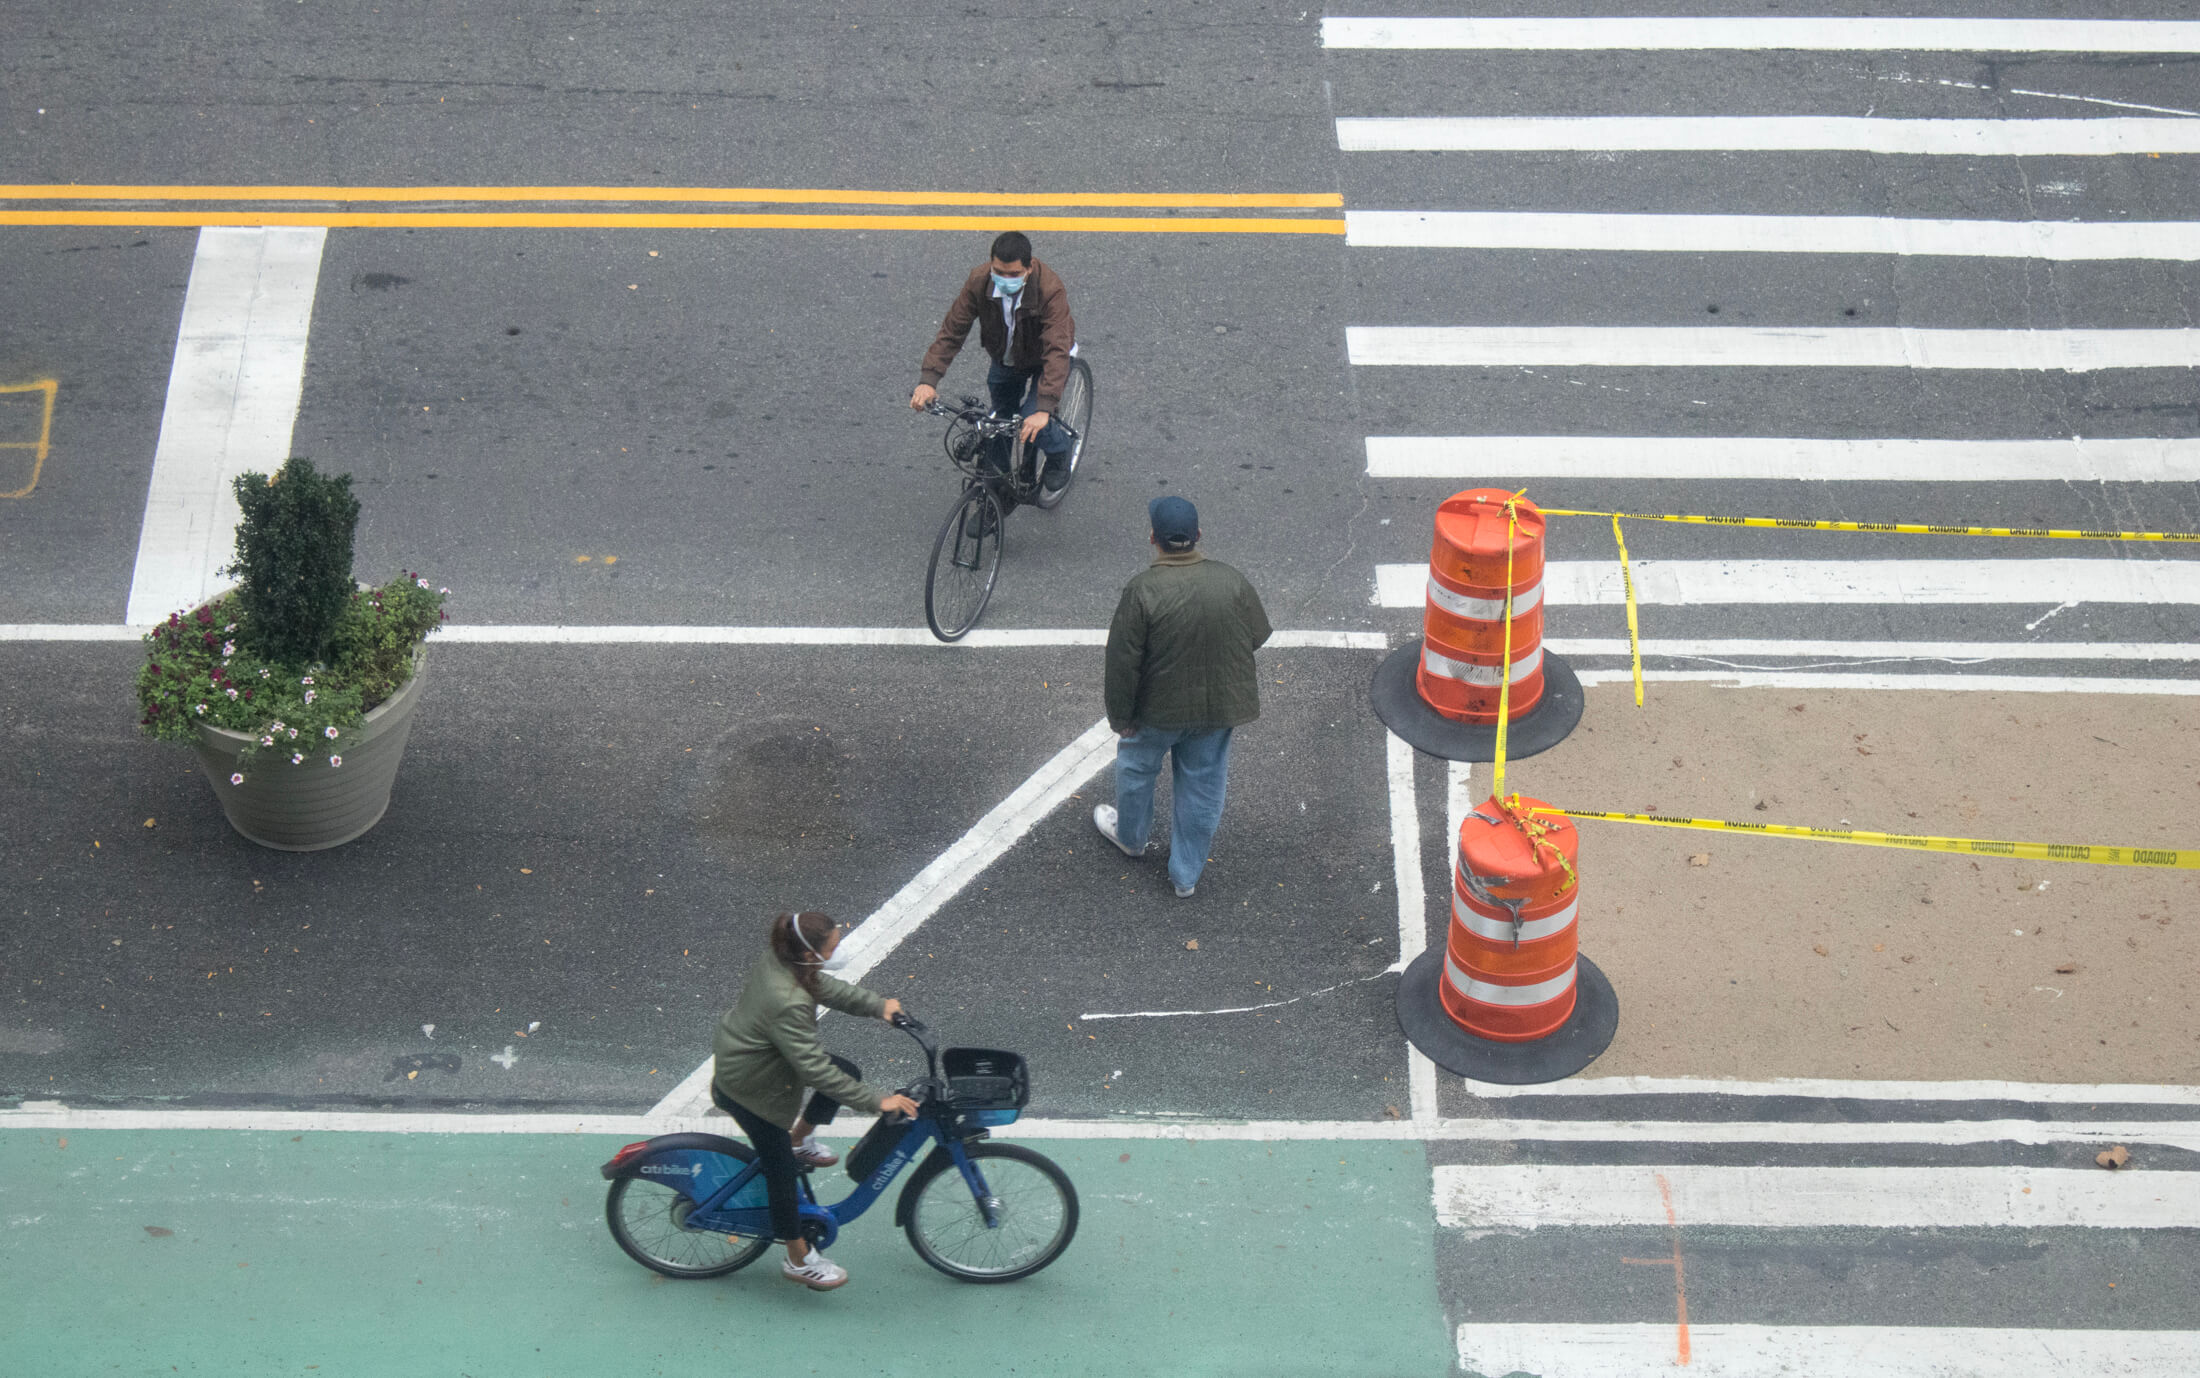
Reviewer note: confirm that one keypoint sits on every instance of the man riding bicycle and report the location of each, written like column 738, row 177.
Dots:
column 1022, row 312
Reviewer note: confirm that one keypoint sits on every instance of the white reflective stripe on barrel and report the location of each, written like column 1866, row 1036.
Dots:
column 1501, row 930
column 1447, row 668
column 1488, row 994
column 1482, row 609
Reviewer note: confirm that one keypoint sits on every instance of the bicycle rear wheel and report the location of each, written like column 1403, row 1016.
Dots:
column 966, row 559
column 649, row 1220
column 1035, row 1209
column 1074, row 412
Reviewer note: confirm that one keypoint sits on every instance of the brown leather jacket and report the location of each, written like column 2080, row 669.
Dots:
column 1044, row 330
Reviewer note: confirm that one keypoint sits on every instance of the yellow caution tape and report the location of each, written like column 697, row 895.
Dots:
column 1505, row 666
column 1634, row 632
column 1890, row 528
column 2159, row 858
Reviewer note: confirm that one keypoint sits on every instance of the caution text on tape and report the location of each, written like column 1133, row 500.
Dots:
column 1890, row 528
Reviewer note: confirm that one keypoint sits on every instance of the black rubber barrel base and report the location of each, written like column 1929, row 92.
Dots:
column 1580, row 1041
column 1399, row 704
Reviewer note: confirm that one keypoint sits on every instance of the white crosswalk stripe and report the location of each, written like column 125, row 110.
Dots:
column 1824, row 1351
column 2010, row 138
column 1707, row 32
column 1677, row 583
column 2060, row 240
column 1499, row 457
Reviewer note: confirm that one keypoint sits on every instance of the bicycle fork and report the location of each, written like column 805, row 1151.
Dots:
column 989, row 1205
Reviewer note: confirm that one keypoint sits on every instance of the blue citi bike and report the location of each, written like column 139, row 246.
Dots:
column 694, row 1205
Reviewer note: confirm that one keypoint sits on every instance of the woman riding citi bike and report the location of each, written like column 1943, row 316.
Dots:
column 701, row 1205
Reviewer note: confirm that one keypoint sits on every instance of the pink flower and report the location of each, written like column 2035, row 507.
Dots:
column 236, row 779
column 445, row 592
column 294, row 734
column 201, row 708
column 423, row 583
column 267, row 741
column 309, row 696
column 229, row 648
column 307, row 680
column 231, row 692
column 329, row 732
column 335, row 760
column 296, row 757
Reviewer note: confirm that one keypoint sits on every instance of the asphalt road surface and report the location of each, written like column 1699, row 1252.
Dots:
column 660, row 451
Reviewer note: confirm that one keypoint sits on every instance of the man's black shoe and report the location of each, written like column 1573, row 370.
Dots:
column 979, row 524
column 1055, row 477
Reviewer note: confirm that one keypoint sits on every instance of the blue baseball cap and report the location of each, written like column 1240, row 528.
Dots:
column 1175, row 521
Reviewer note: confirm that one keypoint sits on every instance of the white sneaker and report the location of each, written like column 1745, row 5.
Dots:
column 1184, row 892
column 1103, row 818
column 814, row 1154
column 817, row 1272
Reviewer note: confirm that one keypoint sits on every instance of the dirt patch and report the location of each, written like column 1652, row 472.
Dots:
column 1740, row 956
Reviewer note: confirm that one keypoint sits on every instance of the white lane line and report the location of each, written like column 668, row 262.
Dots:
column 1645, row 34
column 520, row 634
column 988, row 840
column 1831, row 679
column 1504, row 457
column 1567, row 1350
column 1822, row 1088
column 232, row 398
column 1689, row 346
column 1953, row 652
column 1951, row 1133
column 1534, row 1196
column 1239, row 1009
column 1680, row 583
column 1405, row 872
column 1768, row 133
column 1772, row 234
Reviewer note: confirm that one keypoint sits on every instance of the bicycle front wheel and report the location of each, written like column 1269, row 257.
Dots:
column 1034, row 1211
column 649, row 1220
column 966, row 559
column 1075, row 412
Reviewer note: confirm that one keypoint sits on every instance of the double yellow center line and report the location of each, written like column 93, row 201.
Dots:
column 549, row 208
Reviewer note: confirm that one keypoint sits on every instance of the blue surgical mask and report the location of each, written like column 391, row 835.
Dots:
column 1011, row 286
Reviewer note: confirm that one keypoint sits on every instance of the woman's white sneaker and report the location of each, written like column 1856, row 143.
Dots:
column 817, row 1272
column 811, row 1153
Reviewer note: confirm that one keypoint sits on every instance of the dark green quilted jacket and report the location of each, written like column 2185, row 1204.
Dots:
column 1180, row 650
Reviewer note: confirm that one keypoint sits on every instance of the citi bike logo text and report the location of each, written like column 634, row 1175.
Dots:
column 666, row 1170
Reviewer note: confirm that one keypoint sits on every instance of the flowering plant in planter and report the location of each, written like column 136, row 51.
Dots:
column 273, row 681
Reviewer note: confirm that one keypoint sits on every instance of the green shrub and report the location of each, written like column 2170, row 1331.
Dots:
column 293, row 563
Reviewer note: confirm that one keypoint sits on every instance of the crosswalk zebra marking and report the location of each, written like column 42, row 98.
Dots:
column 1690, row 582
column 1952, row 652
column 1509, row 457
column 2004, row 138
column 1561, row 1350
column 2175, row 240
column 1718, row 32
column 1530, row 1196
column 1728, row 346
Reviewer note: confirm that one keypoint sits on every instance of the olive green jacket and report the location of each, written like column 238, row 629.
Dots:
column 1180, row 650
column 766, row 1048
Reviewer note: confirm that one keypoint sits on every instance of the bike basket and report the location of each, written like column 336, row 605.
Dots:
column 872, row 1148
column 985, row 1079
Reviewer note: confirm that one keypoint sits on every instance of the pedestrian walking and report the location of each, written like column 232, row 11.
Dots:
column 1180, row 680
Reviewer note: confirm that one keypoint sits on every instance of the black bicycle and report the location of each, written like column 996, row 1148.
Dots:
column 996, row 464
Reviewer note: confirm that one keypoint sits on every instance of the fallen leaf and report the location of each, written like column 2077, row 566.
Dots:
column 1700, row 859
column 159, row 1231
column 2114, row 1158
column 148, row 822
column 1192, row 945
column 1761, row 806
column 1124, row 1158
column 410, row 1075
column 1879, row 947
column 1909, row 957
column 1820, row 949
column 1392, row 1112
column 525, row 871
column 1863, row 751
column 2067, row 969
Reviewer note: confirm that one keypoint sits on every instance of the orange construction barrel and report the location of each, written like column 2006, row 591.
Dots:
column 1488, row 544
column 1516, row 895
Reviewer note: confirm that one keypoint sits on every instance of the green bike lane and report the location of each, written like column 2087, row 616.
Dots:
column 348, row 1253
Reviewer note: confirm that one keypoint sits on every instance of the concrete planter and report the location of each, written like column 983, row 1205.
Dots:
column 311, row 806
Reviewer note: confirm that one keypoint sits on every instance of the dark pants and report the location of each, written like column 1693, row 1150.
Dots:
column 1011, row 388
column 775, row 1150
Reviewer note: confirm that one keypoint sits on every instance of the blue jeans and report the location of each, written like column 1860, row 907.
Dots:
column 1011, row 388
column 1201, row 776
